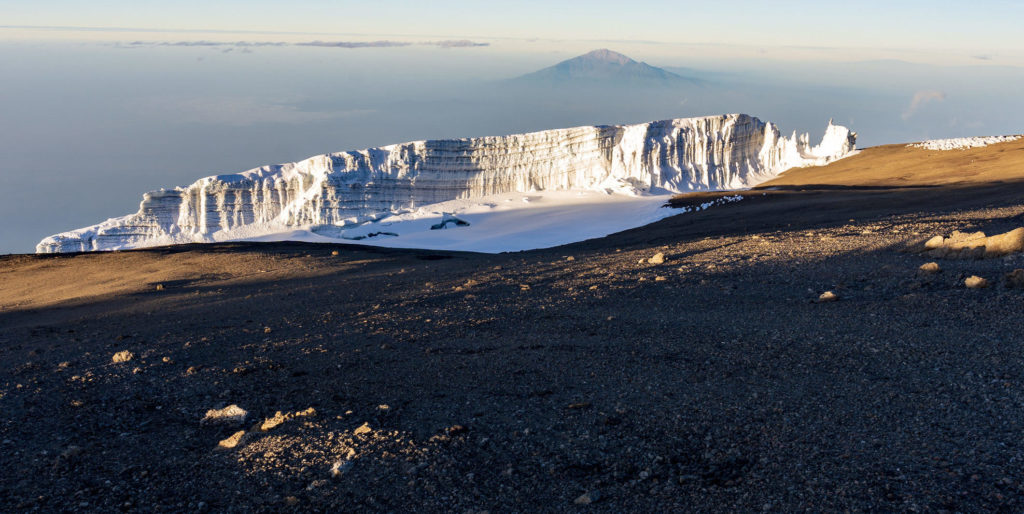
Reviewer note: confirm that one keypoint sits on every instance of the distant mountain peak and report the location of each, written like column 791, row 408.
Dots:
column 606, row 55
column 604, row 67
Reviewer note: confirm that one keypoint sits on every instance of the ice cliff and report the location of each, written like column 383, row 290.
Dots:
column 348, row 188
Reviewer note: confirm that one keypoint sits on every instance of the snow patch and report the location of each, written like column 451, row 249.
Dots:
column 707, row 205
column 495, row 224
column 963, row 143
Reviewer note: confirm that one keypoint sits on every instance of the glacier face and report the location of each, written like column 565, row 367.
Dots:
column 349, row 188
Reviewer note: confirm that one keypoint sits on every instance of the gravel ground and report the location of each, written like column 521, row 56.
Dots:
column 582, row 378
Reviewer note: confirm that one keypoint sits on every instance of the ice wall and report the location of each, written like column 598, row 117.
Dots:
column 347, row 188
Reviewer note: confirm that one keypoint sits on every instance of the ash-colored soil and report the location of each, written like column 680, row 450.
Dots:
column 715, row 381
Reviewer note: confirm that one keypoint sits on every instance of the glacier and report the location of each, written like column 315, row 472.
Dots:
column 322, row 197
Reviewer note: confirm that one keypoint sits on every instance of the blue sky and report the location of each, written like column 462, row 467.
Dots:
column 922, row 31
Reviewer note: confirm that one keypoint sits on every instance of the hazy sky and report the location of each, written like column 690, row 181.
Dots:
column 917, row 30
column 102, row 101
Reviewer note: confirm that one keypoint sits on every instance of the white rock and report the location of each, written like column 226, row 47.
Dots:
column 348, row 188
column 828, row 296
column 975, row 282
column 232, row 414
column 340, row 467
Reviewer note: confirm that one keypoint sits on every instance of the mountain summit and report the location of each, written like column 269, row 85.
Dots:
column 604, row 66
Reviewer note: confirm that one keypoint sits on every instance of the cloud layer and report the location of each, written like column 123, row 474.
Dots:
column 921, row 98
column 450, row 43
column 202, row 43
column 456, row 43
column 355, row 44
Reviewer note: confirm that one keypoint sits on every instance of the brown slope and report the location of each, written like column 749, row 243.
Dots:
column 902, row 165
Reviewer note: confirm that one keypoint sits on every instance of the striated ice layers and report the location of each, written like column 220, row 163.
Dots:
column 329, row 192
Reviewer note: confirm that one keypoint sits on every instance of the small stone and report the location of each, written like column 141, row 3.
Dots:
column 280, row 417
column 570, row 258
column 930, row 267
column 231, row 442
column 1015, row 279
column 363, row 429
column 334, row 253
column 1006, row 243
column 232, row 414
column 159, row 287
column 267, row 330
column 122, row 356
column 658, row 258
column 593, row 287
column 456, row 430
column 71, row 451
column 975, row 282
column 935, row 242
column 291, row 501
column 660, row 279
column 274, row 422
column 340, row 467
column 828, row 296
column 588, row 498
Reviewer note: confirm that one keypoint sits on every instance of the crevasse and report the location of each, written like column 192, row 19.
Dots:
column 347, row 188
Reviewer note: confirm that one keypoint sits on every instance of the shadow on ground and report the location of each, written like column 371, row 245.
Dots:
column 521, row 381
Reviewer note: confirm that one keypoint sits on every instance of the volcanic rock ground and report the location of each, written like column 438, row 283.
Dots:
column 533, row 381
